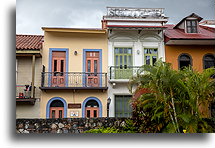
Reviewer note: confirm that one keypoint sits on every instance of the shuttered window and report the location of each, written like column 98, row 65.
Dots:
column 122, row 106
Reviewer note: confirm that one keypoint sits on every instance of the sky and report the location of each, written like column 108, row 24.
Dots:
column 31, row 15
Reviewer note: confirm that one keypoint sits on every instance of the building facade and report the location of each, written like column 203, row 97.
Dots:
column 189, row 43
column 81, row 72
column 28, row 75
column 74, row 76
column 135, row 38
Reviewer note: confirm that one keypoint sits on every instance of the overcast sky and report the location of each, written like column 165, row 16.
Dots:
column 31, row 15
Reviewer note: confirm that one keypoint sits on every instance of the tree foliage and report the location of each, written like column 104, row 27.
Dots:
column 177, row 100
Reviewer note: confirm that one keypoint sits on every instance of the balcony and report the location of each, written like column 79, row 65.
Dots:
column 23, row 94
column 73, row 81
column 122, row 73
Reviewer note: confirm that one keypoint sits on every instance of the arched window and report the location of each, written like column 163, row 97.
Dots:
column 56, row 103
column 184, row 61
column 92, row 103
column 208, row 61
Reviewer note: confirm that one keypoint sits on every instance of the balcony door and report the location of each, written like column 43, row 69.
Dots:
column 123, row 63
column 92, row 68
column 58, row 68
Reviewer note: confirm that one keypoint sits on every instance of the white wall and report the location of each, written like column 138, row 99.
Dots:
column 146, row 39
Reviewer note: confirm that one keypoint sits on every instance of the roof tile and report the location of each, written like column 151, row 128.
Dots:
column 29, row 42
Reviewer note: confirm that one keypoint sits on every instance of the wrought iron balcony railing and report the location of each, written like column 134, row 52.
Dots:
column 73, row 80
column 123, row 71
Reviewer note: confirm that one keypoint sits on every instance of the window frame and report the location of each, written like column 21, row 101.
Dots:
column 191, row 26
column 150, row 55
column 123, row 55
column 203, row 59
column 122, row 102
column 191, row 60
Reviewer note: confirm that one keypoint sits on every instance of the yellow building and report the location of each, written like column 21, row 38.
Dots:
column 74, row 75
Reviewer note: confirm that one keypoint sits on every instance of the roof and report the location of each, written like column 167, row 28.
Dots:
column 204, row 33
column 78, row 30
column 29, row 42
column 192, row 15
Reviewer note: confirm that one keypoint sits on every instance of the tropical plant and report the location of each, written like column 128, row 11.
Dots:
column 174, row 99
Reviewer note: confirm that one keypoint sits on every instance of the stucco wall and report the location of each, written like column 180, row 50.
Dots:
column 24, row 77
column 73, row 97
column 74, row 42
column 196, row 52
column 124, row 38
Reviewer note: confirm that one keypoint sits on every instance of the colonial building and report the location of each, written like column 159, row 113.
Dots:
column 74, row 76
column 135, row 38
column 189, row 43
column 28, row 75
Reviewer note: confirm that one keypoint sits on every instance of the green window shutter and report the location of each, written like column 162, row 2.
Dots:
column 122, row 106
column 122, row 61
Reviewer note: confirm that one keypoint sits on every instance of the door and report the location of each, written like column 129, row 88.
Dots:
column 58, row 68
column 92, row 112
column 92, row 69
column 123, row 63
column 56, row 112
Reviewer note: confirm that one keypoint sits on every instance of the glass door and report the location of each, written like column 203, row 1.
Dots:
column 123, row 63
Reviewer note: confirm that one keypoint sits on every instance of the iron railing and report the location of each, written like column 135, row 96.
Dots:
column 123, row 71
column 73, row 79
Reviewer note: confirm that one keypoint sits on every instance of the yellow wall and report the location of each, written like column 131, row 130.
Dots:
column 73, row 97
column 74, row 42
column 196, row 52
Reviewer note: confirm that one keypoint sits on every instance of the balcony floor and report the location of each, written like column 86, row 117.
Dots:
column 73, row 88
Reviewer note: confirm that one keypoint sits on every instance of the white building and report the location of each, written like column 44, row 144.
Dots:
column 135, row 38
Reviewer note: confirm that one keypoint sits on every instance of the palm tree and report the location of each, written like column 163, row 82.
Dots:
column 174, row 97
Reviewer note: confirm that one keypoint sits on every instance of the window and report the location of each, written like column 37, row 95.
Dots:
column 191, row 26
column 184, row 61
column 122, row 106
column 150, row 56
column 123, row 57
column 208, row 61
column 123, row 62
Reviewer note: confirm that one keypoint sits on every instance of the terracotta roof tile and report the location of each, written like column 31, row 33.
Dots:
column 29, row 42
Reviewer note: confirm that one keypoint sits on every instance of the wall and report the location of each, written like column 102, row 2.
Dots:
column 197, row 53
column 24, row 77
column 73, row 97
column 74, row 42
column 75, row 125
column 125, row 38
